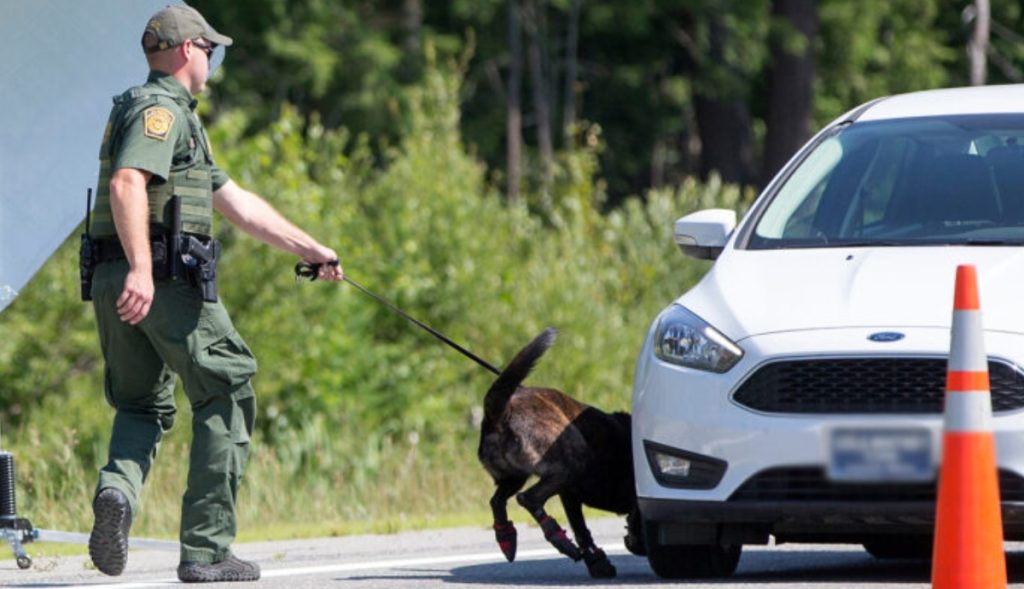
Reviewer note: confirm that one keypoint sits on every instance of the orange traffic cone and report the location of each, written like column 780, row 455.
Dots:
column 968, row 523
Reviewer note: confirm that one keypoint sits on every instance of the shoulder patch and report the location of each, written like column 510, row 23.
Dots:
column 158, row 122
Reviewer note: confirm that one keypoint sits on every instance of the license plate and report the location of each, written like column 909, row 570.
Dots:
column 880, row 455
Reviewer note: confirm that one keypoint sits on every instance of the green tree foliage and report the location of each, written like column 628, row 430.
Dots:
column 640, row 67
column 874, row 48
column 333, row 58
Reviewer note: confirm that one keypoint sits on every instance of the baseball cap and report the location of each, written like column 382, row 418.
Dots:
column 176, row 24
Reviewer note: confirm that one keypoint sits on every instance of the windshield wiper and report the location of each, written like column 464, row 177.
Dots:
column 991, row 242
column 873, row 243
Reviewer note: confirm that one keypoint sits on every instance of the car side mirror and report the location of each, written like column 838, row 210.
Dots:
column 703, row 234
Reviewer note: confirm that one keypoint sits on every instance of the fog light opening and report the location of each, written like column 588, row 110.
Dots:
column 681, row 469
column 672, row 466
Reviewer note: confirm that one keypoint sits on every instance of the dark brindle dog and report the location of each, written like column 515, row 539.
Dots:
column 578, row 452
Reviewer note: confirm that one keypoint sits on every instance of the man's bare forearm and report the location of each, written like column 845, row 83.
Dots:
column 130, row 206
column 254, row 215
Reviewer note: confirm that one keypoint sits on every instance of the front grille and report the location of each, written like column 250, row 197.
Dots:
column 866, row 385
column 811, row 484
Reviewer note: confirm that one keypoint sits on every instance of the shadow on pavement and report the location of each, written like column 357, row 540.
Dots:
column 765, row 566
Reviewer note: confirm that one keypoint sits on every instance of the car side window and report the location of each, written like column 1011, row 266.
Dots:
column 793, row 209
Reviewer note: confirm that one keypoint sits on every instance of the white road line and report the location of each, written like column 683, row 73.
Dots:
column 493, row 556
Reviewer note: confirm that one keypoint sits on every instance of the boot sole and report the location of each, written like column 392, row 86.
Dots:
column 108, row 543
column 192, row 575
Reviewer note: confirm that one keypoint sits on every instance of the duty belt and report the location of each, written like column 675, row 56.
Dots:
column 110, row 249
column 183, row 256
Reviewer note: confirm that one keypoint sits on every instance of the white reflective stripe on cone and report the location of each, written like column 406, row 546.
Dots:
column 967, row 347
column 968, row 411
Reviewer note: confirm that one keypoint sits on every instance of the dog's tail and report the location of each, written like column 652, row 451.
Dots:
column 516, row 372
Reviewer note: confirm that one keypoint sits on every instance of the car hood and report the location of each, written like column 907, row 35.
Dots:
column 752, row 292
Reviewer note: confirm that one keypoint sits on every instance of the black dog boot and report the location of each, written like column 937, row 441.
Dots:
column 554, row 534
column 598, row 564
column 108, row 542
column 231, row 568
column 505, row 534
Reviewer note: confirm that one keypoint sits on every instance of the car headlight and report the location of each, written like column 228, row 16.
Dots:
column 687, row 340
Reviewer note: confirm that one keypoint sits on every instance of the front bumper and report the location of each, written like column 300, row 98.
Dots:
column 694, row 411
column 711, row 522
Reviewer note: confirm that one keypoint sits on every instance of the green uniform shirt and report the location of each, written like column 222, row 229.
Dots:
column 154, row 133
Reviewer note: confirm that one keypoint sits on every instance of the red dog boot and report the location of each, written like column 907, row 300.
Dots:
column 554, row 534
column 505, row 534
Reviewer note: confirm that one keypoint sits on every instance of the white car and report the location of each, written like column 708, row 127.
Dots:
column 797, row 391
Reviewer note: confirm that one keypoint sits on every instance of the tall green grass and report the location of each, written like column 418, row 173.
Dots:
column 365, row 421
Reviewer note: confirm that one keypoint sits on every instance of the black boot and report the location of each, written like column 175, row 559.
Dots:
column 108, row 542
column 231, row 568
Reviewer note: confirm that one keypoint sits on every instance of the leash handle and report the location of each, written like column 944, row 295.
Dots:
column 310, row 270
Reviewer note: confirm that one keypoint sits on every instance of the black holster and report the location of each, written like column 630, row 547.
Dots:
column 199, row 264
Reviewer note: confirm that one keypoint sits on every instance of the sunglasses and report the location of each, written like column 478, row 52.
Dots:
column 207, row 49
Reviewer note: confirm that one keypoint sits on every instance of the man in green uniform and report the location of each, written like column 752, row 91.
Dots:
column 156, row 306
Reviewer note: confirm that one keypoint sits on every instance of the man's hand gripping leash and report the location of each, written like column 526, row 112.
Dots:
column 313, row 270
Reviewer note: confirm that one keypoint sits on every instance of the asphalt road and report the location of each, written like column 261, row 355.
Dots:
column 469, row 557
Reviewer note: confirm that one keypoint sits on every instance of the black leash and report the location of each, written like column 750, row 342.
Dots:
column 311, row 271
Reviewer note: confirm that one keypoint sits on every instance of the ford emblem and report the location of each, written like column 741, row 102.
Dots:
column 886, row 336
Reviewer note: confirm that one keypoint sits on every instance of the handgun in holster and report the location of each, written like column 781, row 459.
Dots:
column 200, row 260
column 190, row 258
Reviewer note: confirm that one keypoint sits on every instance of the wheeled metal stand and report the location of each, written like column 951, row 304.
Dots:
column 17, row 531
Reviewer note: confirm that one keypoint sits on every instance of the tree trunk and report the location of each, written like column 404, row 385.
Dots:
column 572, row 38
column 724, row 127
column 541, row 107
column 659, row 157
column 723, row 121
column 514, row 121
column 412, row 25
column 977, row 47
column 790, row 82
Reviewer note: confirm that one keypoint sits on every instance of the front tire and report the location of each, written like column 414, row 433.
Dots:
column 703, row 561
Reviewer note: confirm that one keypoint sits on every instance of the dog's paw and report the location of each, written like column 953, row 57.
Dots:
column 598, row 564
column 554, row 534
column 505, row 534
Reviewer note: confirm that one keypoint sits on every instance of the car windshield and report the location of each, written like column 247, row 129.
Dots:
column 954, row 180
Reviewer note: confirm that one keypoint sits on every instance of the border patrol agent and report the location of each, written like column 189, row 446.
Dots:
column 153, row 261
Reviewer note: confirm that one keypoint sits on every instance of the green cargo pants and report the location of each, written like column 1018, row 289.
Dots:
column 181, row 335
